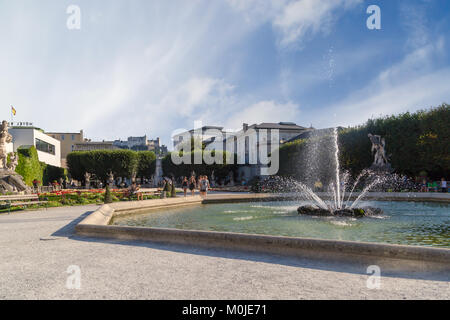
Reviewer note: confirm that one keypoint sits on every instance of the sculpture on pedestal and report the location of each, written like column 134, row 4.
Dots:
column 10, row 181
column 87, row 180
column 213, row 179
column 5, row 138
column 378, row 150
column 231, row 179
column 110, row 179
column 13, row 161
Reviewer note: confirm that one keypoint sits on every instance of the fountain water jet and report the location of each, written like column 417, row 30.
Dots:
column 337, row 207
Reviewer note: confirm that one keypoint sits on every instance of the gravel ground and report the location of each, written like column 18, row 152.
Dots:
column 37, row 248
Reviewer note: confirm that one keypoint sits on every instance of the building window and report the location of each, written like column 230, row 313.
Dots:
column 73, row 137
column 45, row 146
column 62, row 137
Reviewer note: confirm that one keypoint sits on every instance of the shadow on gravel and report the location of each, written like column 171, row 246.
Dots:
column 354, row 267
column 69, row 229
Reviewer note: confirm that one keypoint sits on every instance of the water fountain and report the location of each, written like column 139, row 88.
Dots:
column 338, row 206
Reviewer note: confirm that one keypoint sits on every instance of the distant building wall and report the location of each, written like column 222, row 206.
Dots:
column 67, row 141
column 48, row 148
column 94, row 145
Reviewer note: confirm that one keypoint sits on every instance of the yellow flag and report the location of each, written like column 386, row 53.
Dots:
column 13, row 110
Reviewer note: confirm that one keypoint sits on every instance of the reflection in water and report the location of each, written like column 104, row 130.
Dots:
column 414, row 223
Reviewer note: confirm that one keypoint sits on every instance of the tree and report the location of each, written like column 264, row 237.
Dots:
column 146, row 164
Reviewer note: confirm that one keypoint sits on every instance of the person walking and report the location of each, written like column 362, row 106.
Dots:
column 192, row 185
column 184, row 185
column 204, row 185
column 443, row 185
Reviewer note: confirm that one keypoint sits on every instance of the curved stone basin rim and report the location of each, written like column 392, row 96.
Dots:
column 97, row 225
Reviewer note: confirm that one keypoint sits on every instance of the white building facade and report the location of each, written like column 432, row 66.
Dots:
column 48, row 148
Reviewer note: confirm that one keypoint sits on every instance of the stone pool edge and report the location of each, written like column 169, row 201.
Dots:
column 97, row 224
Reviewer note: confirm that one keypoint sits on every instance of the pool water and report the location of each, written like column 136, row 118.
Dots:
column 413, row 223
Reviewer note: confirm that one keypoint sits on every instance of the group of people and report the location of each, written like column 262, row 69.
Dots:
column 433, row 186
column 202, row 184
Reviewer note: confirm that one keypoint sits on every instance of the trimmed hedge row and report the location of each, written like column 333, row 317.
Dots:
column 184, row 170
column 309, row 160
column 122, row 163
column 417, row 144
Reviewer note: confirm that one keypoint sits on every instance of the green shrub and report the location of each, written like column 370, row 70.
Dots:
column 220, row 170
column 122, row 163
column 52, row 173
column 28, row 165
column 416, row 143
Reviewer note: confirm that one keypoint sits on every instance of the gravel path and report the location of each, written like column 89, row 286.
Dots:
column 37, row 248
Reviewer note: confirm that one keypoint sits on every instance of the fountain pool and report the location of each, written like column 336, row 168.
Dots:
column 411, row 223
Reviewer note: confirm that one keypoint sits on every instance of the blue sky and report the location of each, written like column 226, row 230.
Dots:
column 150, row 67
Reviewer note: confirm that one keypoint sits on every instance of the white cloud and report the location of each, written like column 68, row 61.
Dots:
column 294, row 19
column 263, row 111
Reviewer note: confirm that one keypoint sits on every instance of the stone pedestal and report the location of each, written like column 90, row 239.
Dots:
column 11, row 181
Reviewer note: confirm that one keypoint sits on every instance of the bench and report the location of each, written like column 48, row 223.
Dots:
column 19, row 201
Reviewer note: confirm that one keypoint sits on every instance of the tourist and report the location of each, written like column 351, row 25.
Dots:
column 184, row 185
column 443, row 185
column 162, row 184
column 204, row 185
column 192, row 185
column 168, row 188
column 134, row 190
column 424, row 186
column 434, row 185
column 173, row 190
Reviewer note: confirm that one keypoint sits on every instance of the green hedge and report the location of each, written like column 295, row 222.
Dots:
column 146, row 164
column 308, row 160
column 220, row 170
column 28, row 165
column 415, row 142
column 122, row 163
column 52, row 173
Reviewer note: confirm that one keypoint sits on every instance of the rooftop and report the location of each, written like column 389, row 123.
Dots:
column 279, row 125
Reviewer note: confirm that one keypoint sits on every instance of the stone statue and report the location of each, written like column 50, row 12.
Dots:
column 213, row 179
column 87, row 180
column 5, row 138
column 10, row 181
column 378, row 148
column 13, row 161
column 231, row 179
column 110, row 179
